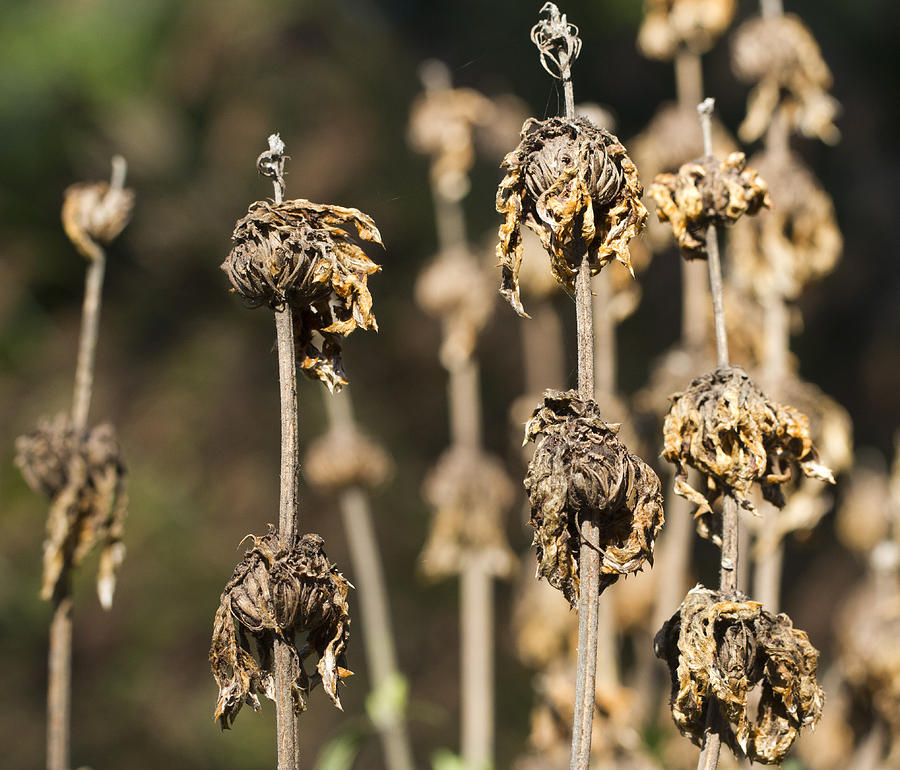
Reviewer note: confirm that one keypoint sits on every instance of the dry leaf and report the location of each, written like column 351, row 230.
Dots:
column 84, row 477
column 707, row 192
column 573, row 184
column 307, row 256
column 580, row 470
column 720, row 647
column 279, row 592
column 670, row 25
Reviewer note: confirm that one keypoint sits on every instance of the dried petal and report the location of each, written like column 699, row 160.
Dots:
column 574, row 185
column 279, row 592
column 720, row 647
column 727, row 429
column 469, row 491
column 84, row 477
column 673, row 24
column 782, row 57
column 307, row 256
column 580, row 470
column 345, row 458
column 95, row 213
column 707, row 192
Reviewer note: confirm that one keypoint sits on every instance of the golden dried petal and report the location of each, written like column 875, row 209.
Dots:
column 574, row 185
column 95, row 213
column 581, row 469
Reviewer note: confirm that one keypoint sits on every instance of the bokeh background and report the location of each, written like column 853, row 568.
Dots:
column 188, row 92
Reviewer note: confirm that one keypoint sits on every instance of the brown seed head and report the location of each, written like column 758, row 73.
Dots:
column 782, row 57
column 345, row 458
column 469, row 491
column 310, row 257
column 722, row 647
column 726, row 428
column 574, row 185
column 670, row 25
column 580, row 470
column 84, row 477
column 279, row 591
column 707, row 192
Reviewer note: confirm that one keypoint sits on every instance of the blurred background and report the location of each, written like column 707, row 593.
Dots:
column 188, row 93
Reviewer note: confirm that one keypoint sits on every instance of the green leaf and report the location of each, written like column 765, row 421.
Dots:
column 387, row 704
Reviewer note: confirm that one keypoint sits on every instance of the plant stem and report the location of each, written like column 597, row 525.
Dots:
column 477, row 663
column 771, row 8
column 378, row 639
column 286, row 662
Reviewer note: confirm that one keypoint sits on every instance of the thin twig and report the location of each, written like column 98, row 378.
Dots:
column 271, row 164
column 771, row 8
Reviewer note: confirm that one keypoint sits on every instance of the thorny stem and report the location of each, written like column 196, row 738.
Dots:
column 381, row 656
column 271, row 164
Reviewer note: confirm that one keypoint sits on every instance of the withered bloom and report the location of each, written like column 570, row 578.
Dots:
column 345, row 457
column 673, row 24
column 96, row 212
column 470, row 492
column 575, row 186
column 84, row 476
column 782, row 57
column 722, row 647
column 308, row 256
column 580, row 470
column 706, row 192
column 726, row 428
column 279, row 592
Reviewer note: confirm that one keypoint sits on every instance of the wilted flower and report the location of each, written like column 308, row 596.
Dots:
column 469, row 491
column 455, row 289
column 84, row 476
column 780, row 54
column 580, row 470
column 720, row 647
column 276, row 592
column 796, row 242
column 345, row 458
column 96, row 212
column 727, row 429
column 574, row 185
column 707, row 192
column 673, row 24
column 307, row 256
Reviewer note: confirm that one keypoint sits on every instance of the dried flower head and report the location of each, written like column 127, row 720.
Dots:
column 84, row 476
column 96, row 212
column 307, row 256
column 279, row 591
column 581, row 470
column 574, row 185
column 781, row 55
column 344, row 458
column 670, row 25
column 557, row 42
column 722, row 647
column 456, row 289
column 726, row 428
column 796, row 242
column 707, row 192
column 469, row 491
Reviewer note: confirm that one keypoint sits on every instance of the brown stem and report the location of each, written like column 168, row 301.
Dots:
column 477, row 663
column 712, row 742
column 771, row 8
column 465, row 404
column 688, row 79
column 87, row 343
column 59, row 685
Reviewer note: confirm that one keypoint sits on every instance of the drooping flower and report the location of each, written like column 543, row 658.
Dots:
column 278, row 591
column 694, row 25
column 581, row 470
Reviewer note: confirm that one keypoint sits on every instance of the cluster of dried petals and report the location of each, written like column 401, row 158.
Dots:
column 345, row 458
column 95, row 212
column 720, row 647
column 707, row 192
column 671, row 25
column 798, row 241
column 84, row 476
column 278, row 592
column 580, row 470
column 781, row 56
column 469, row 491
column 456, row 289
column 574, row 185
column 309, row 257
column 725, row 427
